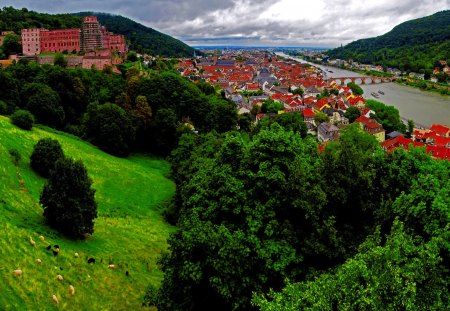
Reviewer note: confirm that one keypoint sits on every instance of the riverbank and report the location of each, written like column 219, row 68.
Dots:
column 423, row 107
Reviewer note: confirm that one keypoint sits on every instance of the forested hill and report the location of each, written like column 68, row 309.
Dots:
column 140, row 37
column 412, row 45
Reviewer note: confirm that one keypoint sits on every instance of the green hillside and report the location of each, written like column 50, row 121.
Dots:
column 139, row 37
column 413, row 45
column 129, row 232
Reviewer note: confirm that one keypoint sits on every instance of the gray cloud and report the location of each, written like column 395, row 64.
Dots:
column 255, row 22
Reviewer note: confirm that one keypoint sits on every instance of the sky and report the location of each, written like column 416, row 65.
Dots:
column 309, row 23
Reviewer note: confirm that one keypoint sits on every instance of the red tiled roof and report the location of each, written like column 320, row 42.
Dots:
column 308, row 113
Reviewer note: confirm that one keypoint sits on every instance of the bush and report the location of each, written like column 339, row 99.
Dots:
column 68, row 199
column 23, row 119
column 45, row 154
column 3, row 108
column 15, row 156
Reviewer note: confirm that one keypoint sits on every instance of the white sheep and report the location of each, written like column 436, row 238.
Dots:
column 55, row 299
column 32, row 242
column 39, row 262
column 17, row 272
column 59, row 278
column 71, row 290
column 112, row 267
column 41, row 238
column 76, row 255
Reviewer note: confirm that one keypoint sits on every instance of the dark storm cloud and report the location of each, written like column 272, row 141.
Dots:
column 265, row 22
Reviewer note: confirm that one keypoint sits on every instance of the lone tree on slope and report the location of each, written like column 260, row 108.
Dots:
column 68, row 199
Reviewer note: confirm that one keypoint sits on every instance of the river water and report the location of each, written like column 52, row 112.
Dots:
column 424, row 108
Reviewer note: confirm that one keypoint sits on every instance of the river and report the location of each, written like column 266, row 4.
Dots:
column 425, row 108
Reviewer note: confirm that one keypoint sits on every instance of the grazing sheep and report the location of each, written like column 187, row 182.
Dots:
column 59, row 277
column 32, row 242
column 39, row 262
column 127, row 273
column 71, row 290
column 17, row 272
column 112, row 267
column 41, row 238
column 55, row 251
column 49, row 247
column 55, row 299
column 76, row 255
column 91, row 260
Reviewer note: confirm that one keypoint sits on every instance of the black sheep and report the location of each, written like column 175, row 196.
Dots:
column 91, row 260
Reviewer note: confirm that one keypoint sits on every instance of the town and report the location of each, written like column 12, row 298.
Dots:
column 252, row 78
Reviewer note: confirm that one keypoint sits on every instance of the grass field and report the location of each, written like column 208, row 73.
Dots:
column 129, row 232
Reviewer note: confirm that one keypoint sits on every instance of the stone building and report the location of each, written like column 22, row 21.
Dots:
column 91, row 35
column 60, row 40
column 31, row 41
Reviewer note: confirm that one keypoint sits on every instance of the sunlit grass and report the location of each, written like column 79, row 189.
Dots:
column 129, row 232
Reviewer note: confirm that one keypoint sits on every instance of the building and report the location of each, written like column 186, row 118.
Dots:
column 91, row 34
column 372, row 127
column 113, row 41
column 52, row 41
column 31, row 41
column 327, row 132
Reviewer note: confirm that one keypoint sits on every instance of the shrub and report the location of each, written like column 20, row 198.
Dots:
column 68, row 199
column 23, row 119
column 15, row 156
column 45, row 154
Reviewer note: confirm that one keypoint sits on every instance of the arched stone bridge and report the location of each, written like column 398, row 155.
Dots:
column 360, row 80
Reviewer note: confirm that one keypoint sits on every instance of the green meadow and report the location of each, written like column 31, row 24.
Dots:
column 129, row 231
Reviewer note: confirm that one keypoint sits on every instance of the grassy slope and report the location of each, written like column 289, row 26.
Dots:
column 129, row 230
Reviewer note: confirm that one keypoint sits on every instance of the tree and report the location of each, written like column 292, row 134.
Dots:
column 60, row 61
column 403, row 274
column 298, row 91
column 356, row 89
column 352, row 114
column 321, row 117
column 292, row 121
column 109, row 127
column 23, row 119
column 387, row 116
column 45, row 154
column 245, row 121
column 271, row 106
column 45, row 104
column 11, row 45
column 68, row 199
column 411, row 126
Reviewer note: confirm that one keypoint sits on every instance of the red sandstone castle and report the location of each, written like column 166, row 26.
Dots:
column 92, row 36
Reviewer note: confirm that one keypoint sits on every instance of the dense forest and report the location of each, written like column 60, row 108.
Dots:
column 411, row 46
column 118, row 113
column 267, row 220
column 140, row 38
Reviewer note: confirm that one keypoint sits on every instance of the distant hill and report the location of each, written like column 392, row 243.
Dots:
column 412, row 45
column 140, row 37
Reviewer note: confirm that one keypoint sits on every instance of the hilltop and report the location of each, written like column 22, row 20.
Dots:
column 129, row 231
column 412, row 45
column 139, row 37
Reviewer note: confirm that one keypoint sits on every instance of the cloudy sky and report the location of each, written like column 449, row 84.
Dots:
column 319, row 23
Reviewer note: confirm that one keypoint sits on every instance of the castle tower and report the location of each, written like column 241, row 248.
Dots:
column 91, row 35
